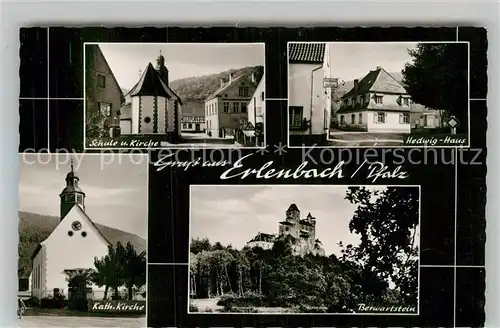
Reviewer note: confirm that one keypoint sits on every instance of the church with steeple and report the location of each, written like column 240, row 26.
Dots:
column 73, row 244
column 151, row 106
column 299, row 233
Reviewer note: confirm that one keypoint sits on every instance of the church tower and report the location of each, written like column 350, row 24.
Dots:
column 71, row 194
column 162, row 69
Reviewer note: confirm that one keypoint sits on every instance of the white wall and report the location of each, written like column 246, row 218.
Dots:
column 261, row 244
column 299, row 94
column 161, row 114
column 65, row 252
column 146, row 111
column 135, row 115
column 348, row 119
column 392, row 123
column 256, row 108
column 299, row 89
column 126, row 126
column 212, row 117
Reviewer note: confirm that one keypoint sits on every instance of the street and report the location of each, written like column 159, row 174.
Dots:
column 72, row 321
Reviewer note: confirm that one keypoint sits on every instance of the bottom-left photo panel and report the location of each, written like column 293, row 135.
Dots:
column 82, row 240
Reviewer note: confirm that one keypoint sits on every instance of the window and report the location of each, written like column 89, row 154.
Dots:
column 190, row 126
column 243, row 107
column 262, row 96
column 101, row 81
column 295, row 116
column 79, row 199
column 226, row 107
column 345, row 103
column 404, row 118
column 360, row 118
column 342, row 119
column 235, row 107
column 406, row 101
column 378, row 99
column 70, row 198
column 105, row 109
column 353, row 119
column 379, row 118
column 243, row 92
column 362, row 98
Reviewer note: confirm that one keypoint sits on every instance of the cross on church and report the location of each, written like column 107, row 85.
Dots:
column 140, row 73
column 71, row 163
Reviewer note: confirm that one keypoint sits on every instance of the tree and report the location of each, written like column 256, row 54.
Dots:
column 437, row 77
column 78, row 283
column 387, row 223
column 134, row 269
column 110, row 270
column 96, row 126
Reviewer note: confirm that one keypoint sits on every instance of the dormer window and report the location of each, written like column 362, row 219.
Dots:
column 406, row 101
column 378, row 99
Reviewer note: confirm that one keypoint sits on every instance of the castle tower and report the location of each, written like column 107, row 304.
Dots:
column 162, row 69
column 71, row 194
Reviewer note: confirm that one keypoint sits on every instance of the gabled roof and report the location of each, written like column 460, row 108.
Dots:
column 110, row 235
column 151, row 84
column 306, row 52
column 377, row 81
column 293, row 207
column 226, row 86
column 109, row 68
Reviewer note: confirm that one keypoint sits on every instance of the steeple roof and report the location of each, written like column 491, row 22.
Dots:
column 293, row 207
column 150, row 84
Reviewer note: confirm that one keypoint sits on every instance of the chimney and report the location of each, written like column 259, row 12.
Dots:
column 230, row 78
column 222, row 82
column 356, row 82
column 253, row 77
column 378, row 67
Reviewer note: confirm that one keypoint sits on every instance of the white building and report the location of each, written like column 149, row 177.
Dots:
column 152, row 107
column 309, row 100
column 72, row 245
column 377, row 103
column 226, row 109
column 262, row 240
column 257, row 104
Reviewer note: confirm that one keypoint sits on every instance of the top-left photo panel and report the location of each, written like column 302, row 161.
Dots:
column 174, row 95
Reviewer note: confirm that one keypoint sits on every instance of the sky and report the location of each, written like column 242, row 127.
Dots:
column 116, row 188
column 182, row 60
column 349, row 61
column 235, row 214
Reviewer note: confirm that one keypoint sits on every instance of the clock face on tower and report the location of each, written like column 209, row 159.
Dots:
column 76, row 225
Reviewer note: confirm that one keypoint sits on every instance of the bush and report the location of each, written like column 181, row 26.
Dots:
column 193, row 308
column 52, row 303
column 78, row 304
column 352, row 128
column 32, row 302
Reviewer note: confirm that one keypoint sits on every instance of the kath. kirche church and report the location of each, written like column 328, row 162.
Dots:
column 73, row 244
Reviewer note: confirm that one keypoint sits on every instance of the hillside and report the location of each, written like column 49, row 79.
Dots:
column 34, row 228
column 200, row 87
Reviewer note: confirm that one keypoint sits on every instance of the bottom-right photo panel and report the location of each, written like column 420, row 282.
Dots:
column 299, row 249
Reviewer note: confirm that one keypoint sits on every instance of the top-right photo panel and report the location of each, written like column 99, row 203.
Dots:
column 378, row 94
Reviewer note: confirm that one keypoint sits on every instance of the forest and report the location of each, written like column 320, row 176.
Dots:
column 200, row 88
column 381, row 271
